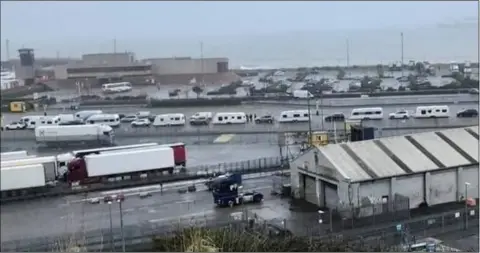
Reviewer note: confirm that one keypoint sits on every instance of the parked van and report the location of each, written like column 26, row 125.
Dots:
column 434, row 111
column 35, row 121
column 112, row 120
column 171, row 119
column 302, row 94
column 83, row 115
column 293, row 116
column 229, row 118
column 64, row 118
column 367, row 113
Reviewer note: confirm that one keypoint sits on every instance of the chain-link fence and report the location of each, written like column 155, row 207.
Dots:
column 140, row 236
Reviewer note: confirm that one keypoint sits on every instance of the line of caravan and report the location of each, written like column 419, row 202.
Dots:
column 227, row 118
column 294, row 116
column 171, row 119
column 374, row 113
column 434, row 111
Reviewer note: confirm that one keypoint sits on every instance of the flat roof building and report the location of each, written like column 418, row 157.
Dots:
column 428, row 168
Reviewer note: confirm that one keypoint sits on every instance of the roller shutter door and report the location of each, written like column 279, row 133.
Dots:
column 310, row 190
column 331, row 195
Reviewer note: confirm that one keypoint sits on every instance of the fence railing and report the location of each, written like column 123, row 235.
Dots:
column 390, row 233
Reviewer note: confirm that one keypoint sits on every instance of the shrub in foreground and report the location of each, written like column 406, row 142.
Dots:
column 232, row 240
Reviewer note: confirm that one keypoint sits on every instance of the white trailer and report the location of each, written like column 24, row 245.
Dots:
column 117, row 163
column 97, row 134
column 49, row 163
column 22, row 177
column 6, row 156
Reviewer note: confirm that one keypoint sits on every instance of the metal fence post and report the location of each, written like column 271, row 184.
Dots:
column 443, row 222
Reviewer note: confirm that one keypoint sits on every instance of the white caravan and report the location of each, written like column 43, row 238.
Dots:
column 171, row 119
column 112, row 120
column 223, row 118
column 294, row 116
column 367, row 113
column 433, row 111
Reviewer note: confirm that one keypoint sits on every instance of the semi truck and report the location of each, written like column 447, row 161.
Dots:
column 228, row 191
column 5, row 156
column 124, row 164
column 74, row 134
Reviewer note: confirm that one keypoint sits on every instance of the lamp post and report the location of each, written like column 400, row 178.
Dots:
column 120, row 199
column 309, row 121
column 111, row 225
column 466, row 204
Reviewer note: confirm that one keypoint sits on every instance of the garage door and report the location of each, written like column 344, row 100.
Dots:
column 310, row 190
column 331, row 195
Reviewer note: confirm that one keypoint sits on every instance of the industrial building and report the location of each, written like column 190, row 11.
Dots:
column 428, row 168
column 164, row 70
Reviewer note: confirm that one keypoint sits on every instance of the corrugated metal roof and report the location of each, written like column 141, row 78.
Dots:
column 400, row 155
column 440, row 149
column 410, row 155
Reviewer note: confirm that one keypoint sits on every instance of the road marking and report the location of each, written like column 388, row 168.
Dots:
column 224, row 138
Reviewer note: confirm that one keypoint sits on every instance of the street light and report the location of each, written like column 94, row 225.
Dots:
column 111, row 222
column 466, row 204
column 120, row 199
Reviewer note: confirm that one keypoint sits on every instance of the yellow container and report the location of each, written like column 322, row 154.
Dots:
column 319, row 138
column 17, row 107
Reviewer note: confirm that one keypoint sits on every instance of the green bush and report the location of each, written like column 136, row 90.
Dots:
column 234, row 240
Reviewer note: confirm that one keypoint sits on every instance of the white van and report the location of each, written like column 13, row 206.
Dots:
column 82, row 115
column 64, row 118
column 112, row 120
column 367, row 113
column 207, row 115
column 294, row 116
column 230, row 118
column 302, row 94
column 434, row 111
column 171, row 119
column 35, row 121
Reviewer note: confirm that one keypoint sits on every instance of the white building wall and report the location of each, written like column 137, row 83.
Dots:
column 471, row 176
column 442, row 186
column 411, row 186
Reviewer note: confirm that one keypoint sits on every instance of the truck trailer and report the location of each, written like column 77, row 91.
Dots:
column 125, row 164
column 5, row 156
column 50, row 164
column 74, row 134
column 22, row 178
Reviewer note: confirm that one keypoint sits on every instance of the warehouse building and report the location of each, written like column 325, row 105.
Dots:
column 103, row 66
column 165, row 70
column 428, row 168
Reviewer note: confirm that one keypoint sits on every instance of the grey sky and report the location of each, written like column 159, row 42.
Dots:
column 44, row 23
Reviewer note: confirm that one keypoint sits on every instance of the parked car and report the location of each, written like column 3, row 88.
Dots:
column 467, row 113
column 129, row 118
column 265, row 119
column 15, row 126
column 199, row 121
column 336, row 117
column 141, row 123
column 400, row 114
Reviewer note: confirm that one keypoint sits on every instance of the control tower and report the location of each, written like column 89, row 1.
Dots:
column 26, row 71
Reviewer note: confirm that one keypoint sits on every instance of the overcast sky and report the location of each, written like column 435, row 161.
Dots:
column 41, row 22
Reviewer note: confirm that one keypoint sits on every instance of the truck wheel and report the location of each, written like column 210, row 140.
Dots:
column 230, row 203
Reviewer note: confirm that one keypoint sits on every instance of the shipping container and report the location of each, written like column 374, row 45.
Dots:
column 74, row 133
column 81, row 153
column 129, row 161
column 93, row 167
column 22, row 177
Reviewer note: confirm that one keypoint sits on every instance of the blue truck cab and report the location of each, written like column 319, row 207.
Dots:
column 225, row 191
